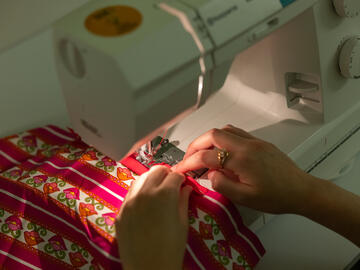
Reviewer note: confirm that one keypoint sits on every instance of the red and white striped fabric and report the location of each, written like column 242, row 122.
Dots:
column 59, row 199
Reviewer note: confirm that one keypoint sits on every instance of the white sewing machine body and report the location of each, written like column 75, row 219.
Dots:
column 192, row 48
column 300, row 57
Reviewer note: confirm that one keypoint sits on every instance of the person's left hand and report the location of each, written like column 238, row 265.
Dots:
column 152, row 225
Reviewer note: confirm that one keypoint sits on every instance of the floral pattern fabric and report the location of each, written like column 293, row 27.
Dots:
column 59, row 199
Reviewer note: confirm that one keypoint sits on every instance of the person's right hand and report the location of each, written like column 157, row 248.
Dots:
column 256, row 174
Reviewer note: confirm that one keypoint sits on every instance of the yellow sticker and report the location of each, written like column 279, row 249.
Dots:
column 113, row 21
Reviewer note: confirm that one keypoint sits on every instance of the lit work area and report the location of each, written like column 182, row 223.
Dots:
column 180, row 134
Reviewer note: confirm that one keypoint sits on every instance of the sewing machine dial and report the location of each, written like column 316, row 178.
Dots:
column 349, row 58
column 347, row 8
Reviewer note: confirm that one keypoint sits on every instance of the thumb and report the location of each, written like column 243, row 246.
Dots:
column 184, row 203
column 234, row 190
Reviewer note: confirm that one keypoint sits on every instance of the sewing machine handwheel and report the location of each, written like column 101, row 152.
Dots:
column 347, row 8
column 349, row 60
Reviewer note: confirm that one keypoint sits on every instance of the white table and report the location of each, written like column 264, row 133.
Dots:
column 293, row 242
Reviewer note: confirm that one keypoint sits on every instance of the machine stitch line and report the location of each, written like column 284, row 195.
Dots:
column 67, row 223
column 19, row 260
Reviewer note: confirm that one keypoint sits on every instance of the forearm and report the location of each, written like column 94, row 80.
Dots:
column 334, row 208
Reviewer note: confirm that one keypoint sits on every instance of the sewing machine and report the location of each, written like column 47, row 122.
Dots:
column 132, row 69
column 286, row 71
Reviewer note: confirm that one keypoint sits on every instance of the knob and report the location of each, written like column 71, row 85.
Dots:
column 72, row 58
column 347, row 8
column 349, row 61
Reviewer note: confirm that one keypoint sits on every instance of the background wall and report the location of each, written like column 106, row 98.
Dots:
column 30, row 94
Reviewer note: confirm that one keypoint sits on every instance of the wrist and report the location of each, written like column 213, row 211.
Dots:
column 311, row 196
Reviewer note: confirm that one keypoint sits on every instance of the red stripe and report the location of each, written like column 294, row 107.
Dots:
column 14, row 151
column 5, row 164
column 9, row 263
column 227, row 229
column 237, row 217
column 189, row 262
column 30, row 254
column 48, row 137
column 134, row 165
column 201, row 251
column 64, row 132
column 2, row 168
column 28, row 165
column 64, row 214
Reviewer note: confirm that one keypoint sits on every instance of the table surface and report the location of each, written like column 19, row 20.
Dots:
column 294, row 242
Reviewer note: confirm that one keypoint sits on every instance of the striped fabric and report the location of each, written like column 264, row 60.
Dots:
column 59, row 199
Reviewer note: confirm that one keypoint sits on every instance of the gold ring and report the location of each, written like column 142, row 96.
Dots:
column 222, row 155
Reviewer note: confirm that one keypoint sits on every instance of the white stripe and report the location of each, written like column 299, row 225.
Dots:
column 82, row 175
column 19, row 260
column 58, row 134
column 63, row 221
column 194, row 257
column 234, row 224
column 9, row 158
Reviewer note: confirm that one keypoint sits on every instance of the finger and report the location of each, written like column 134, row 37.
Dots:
column 205, row 159
column 156, row 176
column 184, row 203
column 235, row 191
column 238, row 131
column 148, row 180
column 213, row 138
column 173, row 181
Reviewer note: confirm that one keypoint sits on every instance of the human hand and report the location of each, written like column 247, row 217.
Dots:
column 256, row 174
column 153, row 223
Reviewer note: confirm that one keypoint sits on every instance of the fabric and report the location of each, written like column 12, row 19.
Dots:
column 59, row 199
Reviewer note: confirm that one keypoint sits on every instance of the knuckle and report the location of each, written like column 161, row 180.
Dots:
column 228, row 126
column 254, row 147
column 243, row 157
column 214, row 132
column 176, row 175
column 202, row 157
column 162, row 169
column 190, row 146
